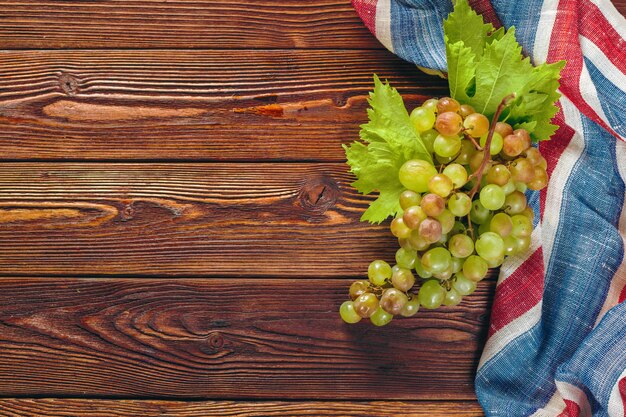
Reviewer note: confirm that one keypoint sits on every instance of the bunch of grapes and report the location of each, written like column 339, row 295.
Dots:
column 460, row 216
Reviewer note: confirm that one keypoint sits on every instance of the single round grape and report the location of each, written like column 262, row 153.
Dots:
column 522, row 170
column 486, row 226
column 399, row 229
column 496, row 143
column 432, row 204
column 403, row 279
column 348, row 313
column 492, row 197
column 406, row 244
column 466, row 152
column 524, row 138
column 366, row 304
column 456, row 265
column 490, row 246
column 447, row 146
column 528, row 212
column 445, row 275
column 358, row 288
column 521, row 187
column 380, row 317
column 393, row 300
column 510, row 245
column 501, row 224
column 475, row 268
column 431, row 104
column 430, row 230
column 476, row 161
column 522, row 226
column 523, row 243
column 446, row 218
column 513, row 145
column 449, row 123
column 479, row 214
column 465, row 110
column 452, row 298
column 533, row 155
column 413, row 216
column 459, row 204
column 463, row 285
column 515, row 203
column 421, row 270
column 406, row 258
column 461, row 246
column 498, row 174
column 540, row 180
column 411, row 307
column 509, row 187
column 441, row 185
column 422, row 119
column 504, row 129
column 446, row 104
column 457, row 174
column 476, row 125
column 428, row 138
column 378, row 271
column 415, row 174
column 409, row 198
column 436, row 260
column 431, row 294
column 417, row 242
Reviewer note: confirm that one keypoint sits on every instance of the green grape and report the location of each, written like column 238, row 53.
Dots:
column 432, row 204
column 441, row 185
column 393, row 300
column 452, row 298
column 447, row 146
column 522, row 243
column 463, row 285
column 540, row 180
column 465, row 110
column 461, row 246
column 431, row 104
column 509, row 187
column 431, row 294
column 428, row 138
column 457, row 174
column 413, row 216
column 445, row 275
column 449, row 124
column 446, row 218
column 510, row 245
column 406, row 244
column 358, row 288
column 495, row 262
column 403, row 279
column 378, row 271
column 528, row 212
column 492, row 197
column 366, row 304
column 399, row 229
column 421, row 270
column 406, row 258
column 348, row 314
column 458, row 228
column 515, row 203
column 475, row 268
column 448, row 104
column 409, row 198
column 444, row 160
column 456, row 264
column 423, row 119
column 466, row 152
column 437, row 259
column 459, row 204
column 498, row 174
column 504, row 129
column 411, row 307
column 479, row 214
column 485, row 227
column 417, row 242
column 522, row 170
column 496, row 143
column 490, row 246
column 442, row 241
column 415, row 174
column 380, row 317
column 522, row 226
column 476, row 125
column 476, row 161
column 501, row 224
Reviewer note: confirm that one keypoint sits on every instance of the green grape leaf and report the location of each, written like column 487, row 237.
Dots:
column 388, row 140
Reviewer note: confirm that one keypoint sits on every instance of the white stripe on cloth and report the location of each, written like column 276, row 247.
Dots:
column 606, row 67
column 543, row 36
column 383, row 23
column 616, row 405
column 614, row 17
column 556, row 405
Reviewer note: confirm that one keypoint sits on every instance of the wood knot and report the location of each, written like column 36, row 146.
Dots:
column 68, row 83
column 127, row 213
column 216, row 340
column 318, row 194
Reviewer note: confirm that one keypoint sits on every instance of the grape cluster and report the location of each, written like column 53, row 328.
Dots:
column 460, row 216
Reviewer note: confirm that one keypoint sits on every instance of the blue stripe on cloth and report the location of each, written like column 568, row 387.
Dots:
column 612, row 99
column 586, row 253
column 524, row 15
column 417, row 31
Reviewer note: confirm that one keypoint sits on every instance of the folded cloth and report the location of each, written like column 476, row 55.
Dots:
column 557, row 336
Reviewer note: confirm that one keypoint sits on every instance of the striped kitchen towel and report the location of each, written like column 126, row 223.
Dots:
column 557, row 337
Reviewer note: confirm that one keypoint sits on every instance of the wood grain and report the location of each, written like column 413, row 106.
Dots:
column 182, row 24
column 130, row 408
column 227, row 339
column 218, row 105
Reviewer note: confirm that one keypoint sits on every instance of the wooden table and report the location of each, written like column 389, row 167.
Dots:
column 177, row 228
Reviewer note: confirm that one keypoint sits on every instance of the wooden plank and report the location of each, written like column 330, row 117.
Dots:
column 182, row 24
column 209, row 219
column 227, row 338
column 219, row 105
column 133, row 408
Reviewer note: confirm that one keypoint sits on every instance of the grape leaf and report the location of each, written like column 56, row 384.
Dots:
column 388, row 141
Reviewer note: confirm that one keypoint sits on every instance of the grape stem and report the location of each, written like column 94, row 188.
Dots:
column 486, row 149
column 476, row 145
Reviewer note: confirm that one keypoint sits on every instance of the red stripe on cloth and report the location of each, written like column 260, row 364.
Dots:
column 366, row 9
column 484, row 8
column 518, row 293
column 571, row 409
column 622, row 392
column 622, row 295
column 597, row 29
